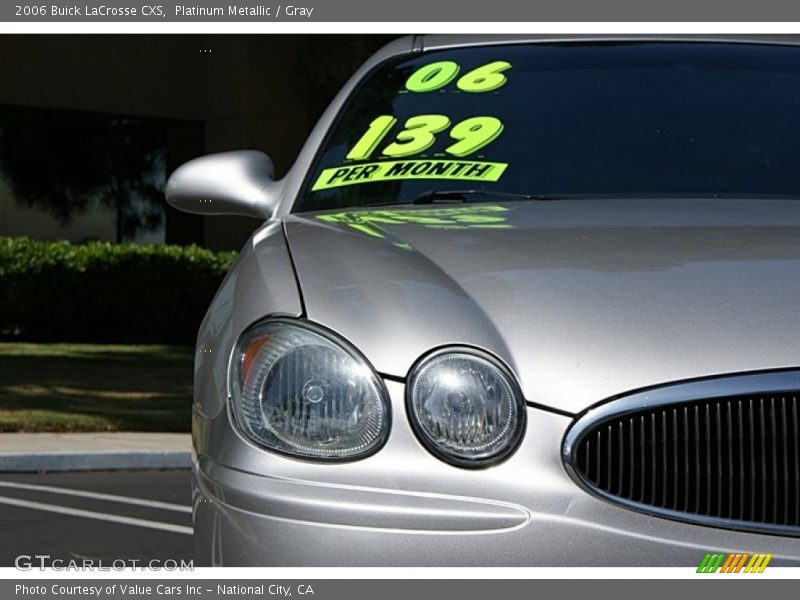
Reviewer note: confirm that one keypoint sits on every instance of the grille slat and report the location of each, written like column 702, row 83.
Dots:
column 675, row 463
column 709, row 474
column 643, row 446
column 796, row 438
column 740, row 415
column 785, row 447
column 718, row 421
column 687, row 471
column 763, row 480
column 752, row 514
column 610, row 476
column 734, row 459
column 654, row 459
column 631, row 444
column 621, row 454
column 775, row 482
column 664, row 454
column 730, row 459
column 697, row 441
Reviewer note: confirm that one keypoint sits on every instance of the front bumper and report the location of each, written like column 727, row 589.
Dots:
column 404, row 507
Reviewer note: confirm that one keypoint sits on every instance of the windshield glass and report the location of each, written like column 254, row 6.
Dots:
column 625, row 119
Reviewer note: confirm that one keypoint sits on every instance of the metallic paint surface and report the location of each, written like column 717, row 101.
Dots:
column 227, row 183
column 402, row 506
column 584, row 301
column 260, row 283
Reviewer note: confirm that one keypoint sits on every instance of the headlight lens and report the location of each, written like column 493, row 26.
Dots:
column 466, row 407
column 296, row 389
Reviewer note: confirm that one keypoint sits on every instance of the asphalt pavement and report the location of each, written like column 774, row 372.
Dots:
column 106, row 515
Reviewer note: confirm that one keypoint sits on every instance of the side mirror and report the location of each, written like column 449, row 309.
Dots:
column 227, row 183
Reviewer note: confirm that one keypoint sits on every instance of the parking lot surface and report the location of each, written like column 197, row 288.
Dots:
column 99, row 515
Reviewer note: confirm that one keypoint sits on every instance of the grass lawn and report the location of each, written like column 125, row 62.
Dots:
column 90, row 387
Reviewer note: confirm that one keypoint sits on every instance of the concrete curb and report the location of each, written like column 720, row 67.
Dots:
column 94, row 461
column 36, row 452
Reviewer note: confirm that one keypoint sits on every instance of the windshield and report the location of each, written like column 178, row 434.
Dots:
column 626, row 119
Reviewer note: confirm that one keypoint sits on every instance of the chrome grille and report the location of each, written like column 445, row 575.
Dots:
column 730, row 460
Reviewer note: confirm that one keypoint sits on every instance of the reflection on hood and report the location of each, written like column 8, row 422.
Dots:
column 483, row 216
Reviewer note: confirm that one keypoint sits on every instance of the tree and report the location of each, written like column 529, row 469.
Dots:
column 67, row 162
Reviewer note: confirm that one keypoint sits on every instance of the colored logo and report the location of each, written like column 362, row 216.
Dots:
column 743, row 562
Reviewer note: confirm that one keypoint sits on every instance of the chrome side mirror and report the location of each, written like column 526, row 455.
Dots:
column 227, row 183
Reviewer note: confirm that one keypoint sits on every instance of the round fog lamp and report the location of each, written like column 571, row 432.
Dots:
column 466, row 407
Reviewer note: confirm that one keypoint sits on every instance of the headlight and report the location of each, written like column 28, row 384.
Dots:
column 465, row 407
column 298, row 390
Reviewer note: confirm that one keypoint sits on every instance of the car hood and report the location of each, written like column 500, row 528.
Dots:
column 584, row 299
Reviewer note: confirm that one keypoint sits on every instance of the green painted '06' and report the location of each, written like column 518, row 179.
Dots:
column 485, row 79
column 434, row 76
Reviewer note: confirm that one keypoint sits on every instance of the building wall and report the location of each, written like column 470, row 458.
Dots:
column 217, row 92
column 251, row 102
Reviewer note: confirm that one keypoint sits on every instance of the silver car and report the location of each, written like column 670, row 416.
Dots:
column 520, row 301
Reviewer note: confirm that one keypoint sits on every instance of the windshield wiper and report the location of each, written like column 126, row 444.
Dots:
column 462, row 196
